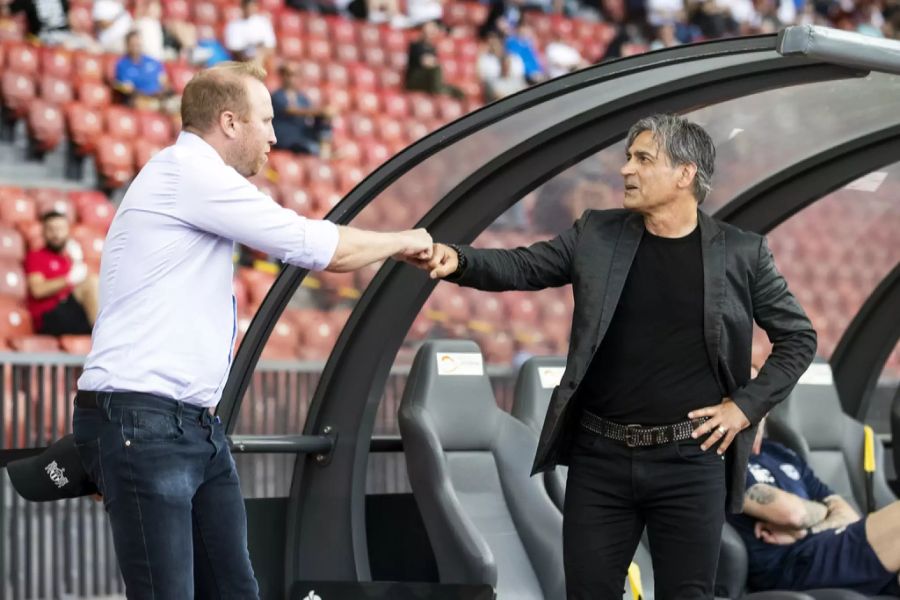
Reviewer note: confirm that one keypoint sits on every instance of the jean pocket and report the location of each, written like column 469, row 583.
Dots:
column 690, row 450
column 154, row 426
column 89, row 452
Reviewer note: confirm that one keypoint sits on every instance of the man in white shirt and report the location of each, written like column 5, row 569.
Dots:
column 162, row 344
column 252, row 37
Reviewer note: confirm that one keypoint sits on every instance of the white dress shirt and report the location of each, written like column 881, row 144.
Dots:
column 167, row 319
column 242, row 34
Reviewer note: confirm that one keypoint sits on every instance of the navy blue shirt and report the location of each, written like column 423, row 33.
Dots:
column 781, row 468
column 144, row 74
column 291, row 130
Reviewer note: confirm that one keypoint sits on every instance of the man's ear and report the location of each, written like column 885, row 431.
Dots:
column 687, row 173
column 227, row 121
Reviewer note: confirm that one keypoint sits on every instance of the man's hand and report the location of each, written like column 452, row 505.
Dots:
column 725, row 421
column 418, row 246
column 777, row 534
column 442, row 262
column 77, row 274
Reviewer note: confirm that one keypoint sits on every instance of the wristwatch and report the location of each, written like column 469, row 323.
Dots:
column 461, row 260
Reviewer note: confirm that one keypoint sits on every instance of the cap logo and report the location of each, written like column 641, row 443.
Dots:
column 57, row 474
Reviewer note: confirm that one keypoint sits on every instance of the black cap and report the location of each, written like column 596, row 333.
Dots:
column 53, row 474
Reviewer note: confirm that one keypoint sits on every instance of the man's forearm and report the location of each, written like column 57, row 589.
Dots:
column 358, row 247
column 840, row 514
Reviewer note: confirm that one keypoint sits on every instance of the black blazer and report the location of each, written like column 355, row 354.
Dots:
column 740, row 285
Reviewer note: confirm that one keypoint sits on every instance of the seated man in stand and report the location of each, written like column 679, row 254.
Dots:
column 800, row 535
column 63, row 298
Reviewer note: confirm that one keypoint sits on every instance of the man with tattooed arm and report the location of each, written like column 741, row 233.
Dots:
column 800, row 535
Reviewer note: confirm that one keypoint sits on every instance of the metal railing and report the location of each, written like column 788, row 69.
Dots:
column 64, row 549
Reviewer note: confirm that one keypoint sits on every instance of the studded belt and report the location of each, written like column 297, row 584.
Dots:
column 636, row 435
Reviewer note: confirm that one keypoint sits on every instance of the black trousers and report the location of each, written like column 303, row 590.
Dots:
column 676, row 490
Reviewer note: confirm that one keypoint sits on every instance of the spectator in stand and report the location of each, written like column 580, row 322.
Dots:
column 63, row 298
column 502, row 73
column 48, row 20
column 140, row 78
column 562, row 57
column 162, row 42
column 521, row 43
column 423, row 71
column 665, row 37
column 300, row 127
column 209, row 51
column 250, row 37
column 112, row 22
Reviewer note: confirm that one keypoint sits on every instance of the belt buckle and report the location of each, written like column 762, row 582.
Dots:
column 630, row 432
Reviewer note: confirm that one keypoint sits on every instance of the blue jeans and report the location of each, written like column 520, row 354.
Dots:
column 171, row 490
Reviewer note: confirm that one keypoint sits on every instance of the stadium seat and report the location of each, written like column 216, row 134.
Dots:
column 310, row 72
column 87, row 66
column 346, row 53
column 14, row 319
column 289, row 22
column 179, row 75
column 296, row 198
column 257, row 283
column 375, row 154
column 176, row 10
column 337, row 97
column 22, row 58
column 205, row 12
column 121, row 123
column 93, row 94
column 16, row 206
column 91, row 242
column 115, row 161
column 75, row 344
column 395, row 104
column 16, row 93
column 55, row 89
column 469, row 463
column 287, row 167
column 34, row 343
column 80, row 19
column 12, row 247
column 12, row 280
column 46, row 126
column 84, row 125
column 144, row 150
column 366, row 101
column 363, row 77
column 337, row 75
column 318, row 50
column 52, row 199
column 154, row 127
column 360, row 126
column 348, row 178
column 96, row 215
column 290, row 47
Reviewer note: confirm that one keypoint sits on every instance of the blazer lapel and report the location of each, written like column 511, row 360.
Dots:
column 623, row 256
column 712, row 249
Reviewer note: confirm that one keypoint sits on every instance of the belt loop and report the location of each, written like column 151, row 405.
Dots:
column 106, row 404
column 179, row 412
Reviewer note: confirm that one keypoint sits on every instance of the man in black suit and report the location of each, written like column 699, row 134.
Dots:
column 657, row 383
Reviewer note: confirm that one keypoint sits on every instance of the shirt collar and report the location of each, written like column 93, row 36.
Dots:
column 186, row 139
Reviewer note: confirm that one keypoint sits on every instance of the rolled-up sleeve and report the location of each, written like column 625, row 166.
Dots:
column 215, row 198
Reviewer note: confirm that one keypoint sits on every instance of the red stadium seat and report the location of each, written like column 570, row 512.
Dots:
column 422, row 107
column 14, row 319
column 22, row 58
column 389, row 130
column 12, row 247
column 317, row 26
column 55, row 89
column 82, row 198
column 115, row 161
column 363, row 77
column 91, row 242
column 87, row 66
column 290, row 46
column 16, row 91
column 349, row 178
column 16, row 206
column 76, row 344
column 93, row 93
column 121, row 122
column 360, row 126
column 368, row 35
column 84, row 125
column 449, row 109
column 337, row 98
column 310, row 72
column 350, row 152
column 397, row 60
column 376, row 57
column 154, row 127
column 318, row 50
column 179, row 75
column 394, row 40
column 375, row 154
column 96, row 215
column 34, row 344
column 366, row 101
column 415, row 130
column 52, row 200
column 46, row 126
column 296, row 199
column 395, row 104
column 176, row 10
column 337, row 75
column 319, row 171
column 257, row 283
column 144, row 150
column 389, row 79
column 289, row 22
column 12, row 280
column 287, row 166
column 57, row 61
column 205, row 13
column 346, row 53
column 342, row 31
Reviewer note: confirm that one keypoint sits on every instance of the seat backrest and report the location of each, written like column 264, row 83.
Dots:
column 537, row 378
column 812, row 422
column 468, row 462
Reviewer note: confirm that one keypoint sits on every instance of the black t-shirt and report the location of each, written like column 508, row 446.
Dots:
column 43, row 15
column 418, row 50
column 652, row 367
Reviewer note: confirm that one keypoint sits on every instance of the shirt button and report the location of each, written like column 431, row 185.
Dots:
column 127, row 442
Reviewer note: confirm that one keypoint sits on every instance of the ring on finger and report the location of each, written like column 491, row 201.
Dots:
column 722, row 430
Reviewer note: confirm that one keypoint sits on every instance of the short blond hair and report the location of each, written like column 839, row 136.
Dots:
column 217, row 89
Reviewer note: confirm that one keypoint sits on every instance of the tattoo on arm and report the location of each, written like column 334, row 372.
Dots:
column 761, row 494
